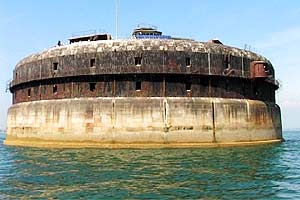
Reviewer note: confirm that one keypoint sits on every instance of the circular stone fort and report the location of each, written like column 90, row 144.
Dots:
column 149, row 91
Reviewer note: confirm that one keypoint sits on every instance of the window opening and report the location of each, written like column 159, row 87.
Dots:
column 138, row 61
column 188, row 86
column 138, row 86
column 55, row 89
column 55, row 66
column 92, row 87
column 188, row 61
column 29, row 92
column 93, row 62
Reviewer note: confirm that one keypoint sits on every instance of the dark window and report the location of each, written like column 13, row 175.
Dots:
column 188, row 86
column 29, row 92
column 188, row 61
column 55, row 89
column 55, row 66
column 93, row 62
column 92, row 87
column 138, row 85
column 138, row 61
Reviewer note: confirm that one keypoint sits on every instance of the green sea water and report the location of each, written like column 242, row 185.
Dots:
column 258, row 172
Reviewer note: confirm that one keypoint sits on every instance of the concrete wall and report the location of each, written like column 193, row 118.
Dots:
column 142, row 121
column 114, row 57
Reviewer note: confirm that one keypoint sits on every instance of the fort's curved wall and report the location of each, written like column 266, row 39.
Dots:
column 143, row 122
column 155, row 92
column 214, row 71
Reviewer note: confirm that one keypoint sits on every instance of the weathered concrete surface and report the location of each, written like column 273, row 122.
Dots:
column 118, row 57
column 138, row 45
column 143, row 122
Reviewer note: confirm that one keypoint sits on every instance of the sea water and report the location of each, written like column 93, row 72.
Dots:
column 257, row 172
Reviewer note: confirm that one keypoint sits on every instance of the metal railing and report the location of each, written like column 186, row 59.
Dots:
column 273, row 81
column 88, row 32
column 8, row 85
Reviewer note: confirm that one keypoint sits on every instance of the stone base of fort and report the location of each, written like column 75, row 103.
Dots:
column 143, row 122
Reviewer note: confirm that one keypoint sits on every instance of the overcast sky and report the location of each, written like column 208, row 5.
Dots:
column 271, row 28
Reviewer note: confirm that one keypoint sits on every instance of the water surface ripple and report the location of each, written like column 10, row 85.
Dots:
column 259, row 172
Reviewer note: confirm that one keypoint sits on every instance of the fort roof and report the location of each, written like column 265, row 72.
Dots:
column 140, row 44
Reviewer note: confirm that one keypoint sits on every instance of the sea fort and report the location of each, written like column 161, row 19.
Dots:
column 149, row 91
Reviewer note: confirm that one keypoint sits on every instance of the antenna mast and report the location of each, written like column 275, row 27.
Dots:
column 117, row 17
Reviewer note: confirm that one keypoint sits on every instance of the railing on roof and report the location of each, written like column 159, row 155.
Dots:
column 89, row 32
column 143, row 25
column 153, row 36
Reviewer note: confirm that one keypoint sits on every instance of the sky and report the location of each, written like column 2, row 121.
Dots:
column 267, row 27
